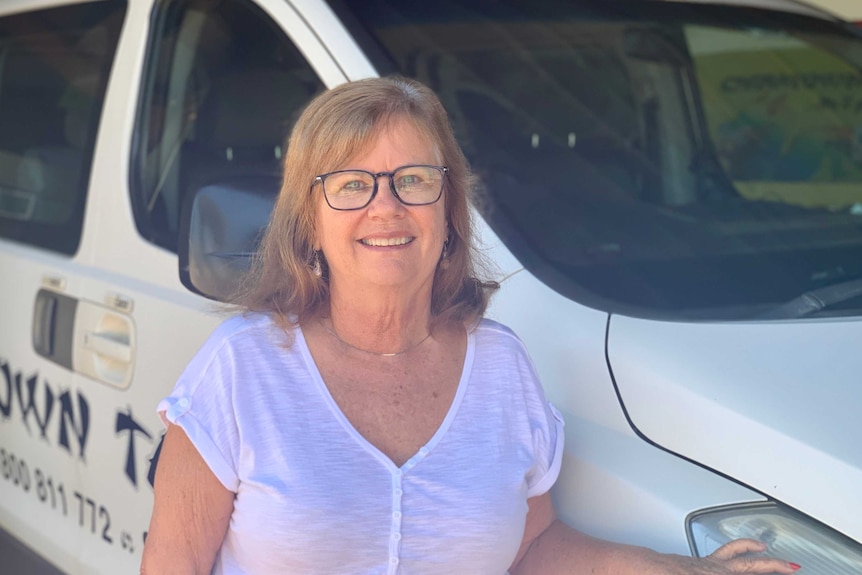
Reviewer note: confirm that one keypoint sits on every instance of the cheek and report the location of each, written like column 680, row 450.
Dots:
column 326, row 226
column 335, row 233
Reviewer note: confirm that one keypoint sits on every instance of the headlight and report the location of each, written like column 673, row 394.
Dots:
column 788, row 534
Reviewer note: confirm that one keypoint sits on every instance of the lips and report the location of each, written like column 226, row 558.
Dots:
column 386, row 242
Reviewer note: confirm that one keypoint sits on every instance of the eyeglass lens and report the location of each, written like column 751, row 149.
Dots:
column 414, row 185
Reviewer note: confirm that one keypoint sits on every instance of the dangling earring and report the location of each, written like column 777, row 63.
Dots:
column 316, row 268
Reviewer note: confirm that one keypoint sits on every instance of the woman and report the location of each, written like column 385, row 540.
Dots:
column 361, row 417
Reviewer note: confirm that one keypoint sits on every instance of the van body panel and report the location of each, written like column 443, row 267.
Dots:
column 847, row 9
column 755, row 400
column 31, row 410
column 296, row 27
column 338, row 42
column 645, row 490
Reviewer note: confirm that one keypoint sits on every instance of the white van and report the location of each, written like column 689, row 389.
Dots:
column 848, row 9
column 672, row 198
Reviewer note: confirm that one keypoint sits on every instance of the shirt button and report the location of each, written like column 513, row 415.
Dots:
column 398, row 493
column 396, row 536
column 394, row 560
column 184, row 402
column 396, row 515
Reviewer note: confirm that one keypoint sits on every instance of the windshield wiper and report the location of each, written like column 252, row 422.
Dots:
column 816, row 300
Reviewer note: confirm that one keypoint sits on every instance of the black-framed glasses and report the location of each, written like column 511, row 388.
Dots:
column 414, row 185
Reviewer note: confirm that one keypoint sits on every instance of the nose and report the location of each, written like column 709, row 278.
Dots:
column 384, row 201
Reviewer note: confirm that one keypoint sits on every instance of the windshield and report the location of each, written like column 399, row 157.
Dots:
column 650, row 158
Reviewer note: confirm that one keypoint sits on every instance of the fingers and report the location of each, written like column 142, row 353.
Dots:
column 738, row 547
column 730, row 553
column 761, row 565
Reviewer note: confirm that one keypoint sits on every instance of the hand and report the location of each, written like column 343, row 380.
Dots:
column 727, row 559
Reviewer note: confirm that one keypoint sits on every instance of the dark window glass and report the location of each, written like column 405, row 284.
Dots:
column 650, row 158
column 223, row 87
column 54, row 67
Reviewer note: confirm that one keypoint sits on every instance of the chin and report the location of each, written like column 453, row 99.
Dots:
column 386, row 276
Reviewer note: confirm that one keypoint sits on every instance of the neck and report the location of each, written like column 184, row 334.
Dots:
column 387, row 323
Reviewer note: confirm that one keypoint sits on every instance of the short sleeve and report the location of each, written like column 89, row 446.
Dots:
column 532, row 421
column 546, row 424
column 201, row 403
column 548, row 439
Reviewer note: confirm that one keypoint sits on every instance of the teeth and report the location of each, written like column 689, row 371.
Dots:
column 386, row 241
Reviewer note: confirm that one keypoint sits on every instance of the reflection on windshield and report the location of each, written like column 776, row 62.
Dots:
column 648, row 157
column 785, row 115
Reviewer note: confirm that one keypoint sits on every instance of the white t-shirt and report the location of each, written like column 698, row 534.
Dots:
column 313, row 496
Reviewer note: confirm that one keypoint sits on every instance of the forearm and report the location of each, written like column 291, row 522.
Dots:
column 563, row 550
column 191, row 512
column 173, row 558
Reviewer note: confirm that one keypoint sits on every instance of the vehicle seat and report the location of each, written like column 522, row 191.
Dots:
column 242, row 126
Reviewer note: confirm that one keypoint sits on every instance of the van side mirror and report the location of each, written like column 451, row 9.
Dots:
column 221, row 227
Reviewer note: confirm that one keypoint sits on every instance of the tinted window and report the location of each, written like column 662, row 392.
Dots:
column 223, row 86
column 54, row 67
column 650, row 158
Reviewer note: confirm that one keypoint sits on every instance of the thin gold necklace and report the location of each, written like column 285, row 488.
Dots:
column 368, row 351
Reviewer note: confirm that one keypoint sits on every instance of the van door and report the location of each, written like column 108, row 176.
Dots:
column 54, row 69
column 210, row 95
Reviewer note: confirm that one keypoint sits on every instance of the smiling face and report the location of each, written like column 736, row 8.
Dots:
column 385, row 244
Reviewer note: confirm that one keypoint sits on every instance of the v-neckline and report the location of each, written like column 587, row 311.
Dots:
column 339, row 415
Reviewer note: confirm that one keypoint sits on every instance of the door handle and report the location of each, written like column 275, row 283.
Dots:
column 104, row 347
column 109, row 344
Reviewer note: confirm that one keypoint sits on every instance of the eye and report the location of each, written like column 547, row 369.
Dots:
column 354, row 186
column 348, row 184
column 409, row 180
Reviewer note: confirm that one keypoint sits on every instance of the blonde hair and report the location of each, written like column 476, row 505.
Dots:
column 334, row 127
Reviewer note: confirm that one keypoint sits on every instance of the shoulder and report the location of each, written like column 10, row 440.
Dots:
column 247, row 330
column 499, row 353
column 236, row 341
column 245, row 325
column 492, row 334
column 240, row 349
column 503, row 366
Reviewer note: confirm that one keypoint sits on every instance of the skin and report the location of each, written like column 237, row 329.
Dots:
column 380, row 296
column 191, row 512
column 551, row 547
column 380, row 302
